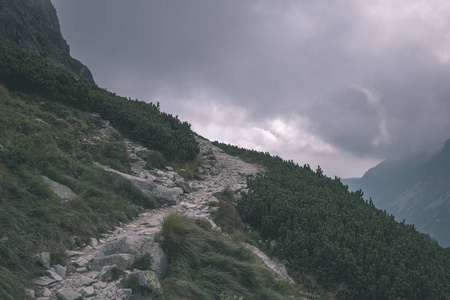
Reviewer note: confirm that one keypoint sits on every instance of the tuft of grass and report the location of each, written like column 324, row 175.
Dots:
column 116, row 273
column 143, row 262
column 226, row 215
column 155, row 160
column 205, row 265
column 189, row 170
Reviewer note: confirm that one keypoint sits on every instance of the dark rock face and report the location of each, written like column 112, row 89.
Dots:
column 34, row 26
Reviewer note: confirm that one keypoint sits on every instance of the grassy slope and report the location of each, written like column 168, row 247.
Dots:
column 206, row 265
column 32, row 218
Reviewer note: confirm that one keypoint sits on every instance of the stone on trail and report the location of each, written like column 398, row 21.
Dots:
column 121, row 260
column 43, row 259
column 68, row 294
column 87, row 291
column 44, row 281
column 60, row 270
column 53, row 275
column 80, row 262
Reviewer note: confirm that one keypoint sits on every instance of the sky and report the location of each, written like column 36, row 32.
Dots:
column 343, row 84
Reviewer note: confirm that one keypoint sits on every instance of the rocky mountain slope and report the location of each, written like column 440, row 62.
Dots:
column 88, row 273
column 34, row 25
column 416, row 190
column 88, row 211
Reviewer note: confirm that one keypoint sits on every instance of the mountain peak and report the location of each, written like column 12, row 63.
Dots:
column 34, row 26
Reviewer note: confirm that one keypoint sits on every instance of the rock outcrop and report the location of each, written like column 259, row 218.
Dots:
column 34, row 26
column 61, row 191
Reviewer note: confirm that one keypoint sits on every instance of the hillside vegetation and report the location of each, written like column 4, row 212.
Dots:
column 334, row 239
column 415, row 189
column 140, row 121
column 206, row 265
column 47, row 126
column 43, row 138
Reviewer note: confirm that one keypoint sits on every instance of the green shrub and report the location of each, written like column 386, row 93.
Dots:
column 143, row 262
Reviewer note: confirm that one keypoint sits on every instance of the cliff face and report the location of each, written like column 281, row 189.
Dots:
column 34, row 25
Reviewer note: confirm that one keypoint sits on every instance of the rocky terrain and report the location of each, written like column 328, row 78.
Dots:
column 34, row 25
column 95, row 271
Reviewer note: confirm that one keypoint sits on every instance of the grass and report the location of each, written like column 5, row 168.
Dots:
column 205, row 265
column 189, row 170
column 38, row 138
column 143, row 262
column 226, row 215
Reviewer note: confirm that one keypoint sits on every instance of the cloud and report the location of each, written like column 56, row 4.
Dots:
column 338, row 81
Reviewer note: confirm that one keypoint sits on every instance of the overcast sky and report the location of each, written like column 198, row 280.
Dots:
column 342, row 84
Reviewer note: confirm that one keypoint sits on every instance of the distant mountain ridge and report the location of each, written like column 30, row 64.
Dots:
column 415, row 189
column 34, row 26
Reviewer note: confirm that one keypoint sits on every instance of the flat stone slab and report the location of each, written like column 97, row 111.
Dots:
column 44, row 281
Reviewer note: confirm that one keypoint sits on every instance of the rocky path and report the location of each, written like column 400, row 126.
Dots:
column 90, row 272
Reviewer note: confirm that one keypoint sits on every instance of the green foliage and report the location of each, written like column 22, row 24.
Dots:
column 205, row 265
column 35, row 141
column 140, row 121
column 143, row 262
column 155, row 160
column 229, row 297
column 226, row 215
column 116, row 273
column 110, row 153
column 334, row 239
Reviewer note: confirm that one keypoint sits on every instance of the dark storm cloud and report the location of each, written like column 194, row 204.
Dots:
column 351, row 78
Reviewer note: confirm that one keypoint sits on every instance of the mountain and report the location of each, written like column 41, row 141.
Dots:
column 83, row 169
column 415, row 189
column 34, row 26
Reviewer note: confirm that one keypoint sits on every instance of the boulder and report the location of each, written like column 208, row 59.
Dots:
column 43, row 259
column 29, row 293
column 277, row 269
column 46, row 292
column 184, row 185
column 87, row 291
column 44, row 281
column 63, row 192
column 84, row 281
column 80, row 262
column 164, row 195
column 129, row 247
column 147, row 280
column 93, row 242
column 68, row 294
column 60, row 270
column 53, row 275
